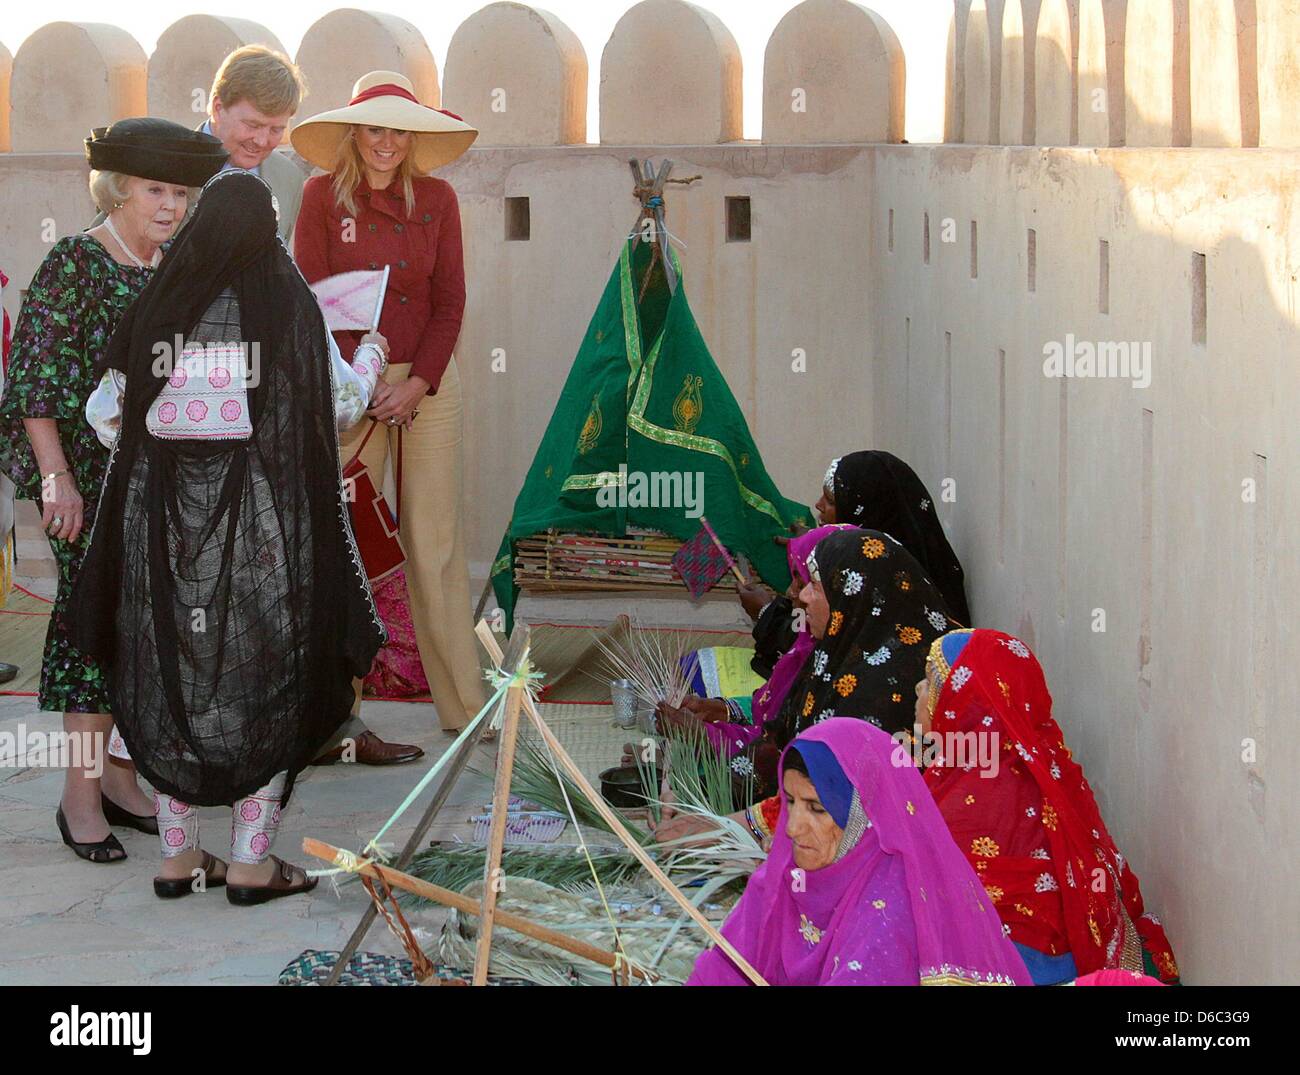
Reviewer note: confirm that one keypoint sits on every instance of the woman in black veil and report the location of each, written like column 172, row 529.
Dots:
column 222, row 587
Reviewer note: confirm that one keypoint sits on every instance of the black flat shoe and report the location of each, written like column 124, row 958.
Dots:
column 104, row 851
column 124, row 819
column 172, row 888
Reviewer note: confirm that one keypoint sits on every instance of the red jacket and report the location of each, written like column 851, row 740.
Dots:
column 426, row 284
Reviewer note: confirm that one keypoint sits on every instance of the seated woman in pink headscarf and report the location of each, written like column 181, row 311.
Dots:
column 864, row 885
column 729, row 729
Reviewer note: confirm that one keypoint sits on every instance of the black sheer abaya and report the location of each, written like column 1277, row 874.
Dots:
column 222, row 587
column 878, row 491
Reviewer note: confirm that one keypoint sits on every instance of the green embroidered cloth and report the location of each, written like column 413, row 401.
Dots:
column 645, row 411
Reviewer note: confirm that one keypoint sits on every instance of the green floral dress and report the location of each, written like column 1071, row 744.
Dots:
column 75, row 300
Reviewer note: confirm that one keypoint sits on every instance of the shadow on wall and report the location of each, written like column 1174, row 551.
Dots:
column 1142, row 539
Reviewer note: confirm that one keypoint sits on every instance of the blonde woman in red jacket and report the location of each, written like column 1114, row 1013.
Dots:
column 378, row 206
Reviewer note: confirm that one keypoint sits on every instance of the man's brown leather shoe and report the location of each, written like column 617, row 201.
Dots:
column 371, row 750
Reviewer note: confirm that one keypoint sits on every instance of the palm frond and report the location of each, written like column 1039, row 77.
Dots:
column 651, row 660
column 563, row 866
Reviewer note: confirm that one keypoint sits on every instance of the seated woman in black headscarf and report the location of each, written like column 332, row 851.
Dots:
column 874, row 490
column 222, row 588
column 878, row 491
column 874, row 613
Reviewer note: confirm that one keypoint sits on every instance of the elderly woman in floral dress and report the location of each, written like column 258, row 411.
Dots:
column 143, row 170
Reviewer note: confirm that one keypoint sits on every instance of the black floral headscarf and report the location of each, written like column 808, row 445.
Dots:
column 884, row 613
column 879, row 491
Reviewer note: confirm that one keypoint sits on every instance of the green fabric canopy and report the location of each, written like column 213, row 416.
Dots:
column 645, row 397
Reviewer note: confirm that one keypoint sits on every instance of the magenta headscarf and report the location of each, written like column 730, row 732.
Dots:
column 731, row 739
column 900, row 906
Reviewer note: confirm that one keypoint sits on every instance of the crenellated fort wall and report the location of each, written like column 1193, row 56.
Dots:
column 1113, row 173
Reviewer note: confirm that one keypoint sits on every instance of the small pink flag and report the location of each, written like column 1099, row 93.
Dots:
column 352, row 300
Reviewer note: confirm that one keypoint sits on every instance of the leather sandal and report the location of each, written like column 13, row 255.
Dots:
column 123, row 818
column 100, row 852
column 282, row 884
column 172, row 888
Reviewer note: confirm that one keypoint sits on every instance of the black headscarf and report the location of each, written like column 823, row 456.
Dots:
column 884, row 613
column 879, row 491
column 253, row 532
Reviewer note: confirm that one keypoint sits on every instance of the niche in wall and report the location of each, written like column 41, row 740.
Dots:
column 518, row 220
column 738, row 219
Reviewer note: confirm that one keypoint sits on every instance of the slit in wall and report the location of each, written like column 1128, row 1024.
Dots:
column 1262, row 616
column 925, row 240
column 907, row 371
column 1145, row 560
column 974, row 250
column 1002, row 455
column 1103, row 277
column 947, row 402
column 518, row 220
column 738, row 218
column 891, row 231
column 1031, row 250
column 1062, row 496
column 1199, row 298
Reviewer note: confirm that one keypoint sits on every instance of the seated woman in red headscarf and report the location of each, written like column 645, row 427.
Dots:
column 1025, row 816
column 863, row 886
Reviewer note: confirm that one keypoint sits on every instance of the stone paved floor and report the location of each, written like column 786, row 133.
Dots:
column 65, row 921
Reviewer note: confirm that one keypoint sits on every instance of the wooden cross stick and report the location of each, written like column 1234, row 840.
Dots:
column 611, row 819
column 468, row 905
column 515, row 661
column 417, row 836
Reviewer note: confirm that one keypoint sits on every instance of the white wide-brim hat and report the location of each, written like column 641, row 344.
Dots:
column 385, row 99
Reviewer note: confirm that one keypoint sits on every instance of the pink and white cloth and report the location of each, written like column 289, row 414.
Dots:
column 206, row 396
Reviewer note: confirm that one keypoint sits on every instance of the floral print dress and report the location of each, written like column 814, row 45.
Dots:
column 75, row 301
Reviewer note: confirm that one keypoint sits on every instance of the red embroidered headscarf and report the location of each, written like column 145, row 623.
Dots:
column 1033, row 832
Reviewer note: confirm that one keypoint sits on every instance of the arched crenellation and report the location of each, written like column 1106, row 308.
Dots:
column 1056, row 84
column 372, row 41
column 1279, row 73
column 539, row 97
column 1100, row 120
column 1019, row 31
column 954, row 102
column 833, row 71
column 69, row 77
column 670, row 74
column 1225, row 73
column 1157, row 73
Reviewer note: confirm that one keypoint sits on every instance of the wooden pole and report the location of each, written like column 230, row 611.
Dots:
column 417, row 835
column 515, row 661
column 611, row 819
column 483, row 597
column 467, row 905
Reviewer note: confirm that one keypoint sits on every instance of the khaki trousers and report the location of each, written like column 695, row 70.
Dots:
column 433, row 536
